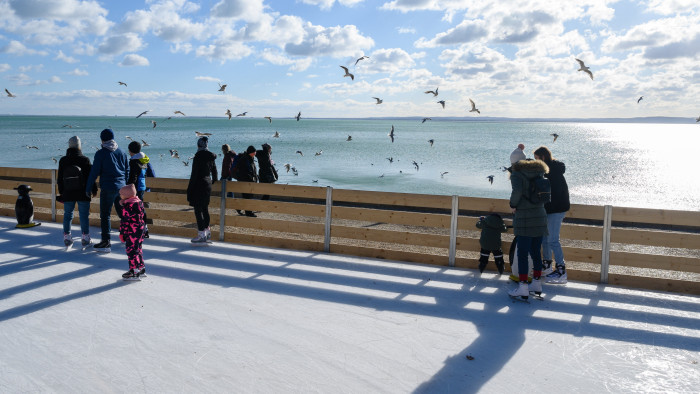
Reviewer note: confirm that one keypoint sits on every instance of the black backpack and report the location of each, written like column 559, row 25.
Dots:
column 539, row 190
column 236, row 165
column 72, row 179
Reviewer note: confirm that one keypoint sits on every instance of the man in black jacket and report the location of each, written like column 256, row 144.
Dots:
column 248, row 173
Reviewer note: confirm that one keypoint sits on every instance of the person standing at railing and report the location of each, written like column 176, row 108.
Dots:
column 267, row 172
column 203, row 175
column 138, row 166
column 248, row 172
column 111, row 164
column 73, row 169
column 556, row 210
column 529, row 224
column 229, row 155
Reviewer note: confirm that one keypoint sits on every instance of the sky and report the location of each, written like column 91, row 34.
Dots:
column 512, row 58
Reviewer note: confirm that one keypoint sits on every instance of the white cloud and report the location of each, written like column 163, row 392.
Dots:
column 78, row 72
column 133, row 59
column 278, row 58
column 391, row 61
column 670, row 7
column 165, row 21
column 34, row 67
column 327, row 4
column 25, row 80
column 467, row 31
column 68, row 59
column 208, row 79
column 224, row 50
column 248, row 10
column 4, row 67
column 115, row 45
column 329, row 41
column 17, row 48
column 406, row 30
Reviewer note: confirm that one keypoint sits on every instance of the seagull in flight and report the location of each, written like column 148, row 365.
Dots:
column 179, row 112
column 228, row 113
column 268, row 118
column 186, row 163
column 276, row 135
column 242, row 114
column 432, row 141
column 145, row 143
column 639, row 99
column 319, row 153
column 442, row 102
column 391, row 159
column 555, row 135
column 299, row 152
column 121, row 83
column 379, row 101
column 222, row 88
column 490, row 178
column 362, row 58
column 434, row 92
column 349, row 138
column 128, row 138
column 9, row 94
column 347, row 73
column 697, row 119
column 584, row 68
column 442, row 174
column 474, row 109
column 425, row 119
column 415, row 164
column 154, row 123
column 198, row 134
column 32, row 147
column 174, row 153
column 54, row 160
column 391, row 135
column 287, row 166
column 298, row 116
column 142, row 113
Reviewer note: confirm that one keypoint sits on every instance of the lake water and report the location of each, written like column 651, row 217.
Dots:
column 622, row 164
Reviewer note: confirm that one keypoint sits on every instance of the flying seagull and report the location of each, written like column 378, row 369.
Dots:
column 142, row 113
column 379, row 101
column 434, row 92
column 298, row 116
column 228, row 113
column 198, row 134
column 128, row 138
column 145, row 143
column 242, row 114
column 277, row 134
column 490, row 178
column 442, row 174
column 222, row 88
column 347, row 73
column 362, row 58
column 299, row 152
column 122, row 83
column 179, row 112
column 349, row 138
column 54, row 160
column 186, row 163
column 442, row 102
column 555, row 135
column 391, row 135
column 391, row 159
column 287, row 166
column 268, row 118
column 474, row 109
column 9, row 94
column 416, row 165
column 639, row 99
column 319, row 153
column 32, row 147
column 174, row 153
column 584, row 68
column 154, row 123
column 424, row 119
column 432, row 141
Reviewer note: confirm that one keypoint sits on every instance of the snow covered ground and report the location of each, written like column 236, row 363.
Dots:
column 234, row 318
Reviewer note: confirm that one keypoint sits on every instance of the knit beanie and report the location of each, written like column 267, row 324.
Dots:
column 203, row 143
column 251, row 149
column 106, row 135
column 517, row 155
column 127, row 191
column 74, row 142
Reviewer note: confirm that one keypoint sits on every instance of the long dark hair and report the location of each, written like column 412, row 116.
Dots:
column 544, row 153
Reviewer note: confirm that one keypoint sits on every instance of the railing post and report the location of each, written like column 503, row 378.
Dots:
column 53, row 196
column 327, row 233
column 605, row 249
column 453, row 230
column 222, row 213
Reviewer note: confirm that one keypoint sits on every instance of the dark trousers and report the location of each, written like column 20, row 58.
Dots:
column 497, row 256
column 108, row 198
column 201, row 214
column 529, row 246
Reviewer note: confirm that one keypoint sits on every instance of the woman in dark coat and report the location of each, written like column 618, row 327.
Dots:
column 267, row 172
column 199, row 189
column 529, row 224
column 556, row 210
column 248, row 173
column 74, row 191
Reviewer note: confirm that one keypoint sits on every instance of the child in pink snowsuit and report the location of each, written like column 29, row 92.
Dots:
column 131, row 231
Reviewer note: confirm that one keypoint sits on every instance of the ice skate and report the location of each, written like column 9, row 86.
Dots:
column 200, row 239
column 535, row 288
column 142, row 273
column 520, row 293
column 67, row 241
column 482, row 263
column 104, row 247
column 500, row 265
column 207, row 231
column 130, row 275
column 558, row 276
column 547, row 267
column 86, row 241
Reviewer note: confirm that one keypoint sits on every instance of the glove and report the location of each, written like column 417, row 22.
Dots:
column 121, row 237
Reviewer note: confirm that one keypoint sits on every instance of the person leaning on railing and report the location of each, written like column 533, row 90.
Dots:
column 248, row 173
column 203, row 175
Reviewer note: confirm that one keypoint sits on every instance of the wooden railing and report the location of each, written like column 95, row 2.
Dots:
column 432, row 229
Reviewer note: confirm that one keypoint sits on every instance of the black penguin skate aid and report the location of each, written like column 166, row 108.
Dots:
column 24, row 208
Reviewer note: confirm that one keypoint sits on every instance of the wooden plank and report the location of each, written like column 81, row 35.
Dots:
column 287, row 226
column 655, row 238
column 395, row 217
column 661, row 262
column 38, row 173
column 168, row 214
column 582, row 233
column 314, row 192
column 572, row 274
column 177, row 231
column 389, row 198
column 36, row 187
column 291, row 208
column 590, row 212
column 656, row 216
column 274, row 242
column 167, row 183
column 657, row 284
column 389, row 236
column 583, row 255
column 485, row 205
column 168, row 198
column 397, row 255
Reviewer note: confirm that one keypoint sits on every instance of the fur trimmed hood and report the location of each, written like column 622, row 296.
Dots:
column 531, row 166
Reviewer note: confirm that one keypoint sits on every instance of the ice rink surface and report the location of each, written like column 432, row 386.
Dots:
column 233, row 318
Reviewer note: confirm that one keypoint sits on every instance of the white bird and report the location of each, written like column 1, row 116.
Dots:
column 198, row 134
column 128, row 138
column 121, row 83
column 442, row 102
column 362, row 58
column 179, row 112
column 555, row 135
column 268, row 118
column 32, row 147
column 347, row 73
column 287, row 166
column 379, row 101
column 319, row 153
column 276, row 135
column 299, row 152
column 434, row 92
column 584, row 68
column 424, row 119
column 145, row 143
column 54, row 160
column 222, row 88
column 174, row 154
column 474, row 109
column 229, row 114
column 9, row 94
column 391, row 133
column 142, row 113
column 639, row 99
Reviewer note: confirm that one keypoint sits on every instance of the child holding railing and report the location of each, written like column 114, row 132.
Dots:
column 490, row 241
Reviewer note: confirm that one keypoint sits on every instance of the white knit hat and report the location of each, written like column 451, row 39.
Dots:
column 517, row 155
column 74, row 142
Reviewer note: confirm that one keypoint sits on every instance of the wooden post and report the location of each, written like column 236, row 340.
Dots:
column 605, row 249
column 222, row 213
column 453, row 231
column 327, row 233
column 53, row 196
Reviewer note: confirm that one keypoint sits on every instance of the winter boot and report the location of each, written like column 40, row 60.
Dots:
column 483, row 260
column 200, row 238
column 85, row 240
column 547, row 267
column 500, row 264
column 521, row 292
column 67, row 239
column 558, row 276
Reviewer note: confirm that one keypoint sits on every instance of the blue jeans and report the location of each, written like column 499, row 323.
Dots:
column 550, row 243
column 83, row 211
column 107, row 199
column 529, row 246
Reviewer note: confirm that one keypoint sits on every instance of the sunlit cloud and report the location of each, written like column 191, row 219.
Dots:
column 134, row 60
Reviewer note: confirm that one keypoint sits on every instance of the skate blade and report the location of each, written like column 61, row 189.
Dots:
column 131, row 279
column 536, row 295
column 519, row 298
column 201, row 243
